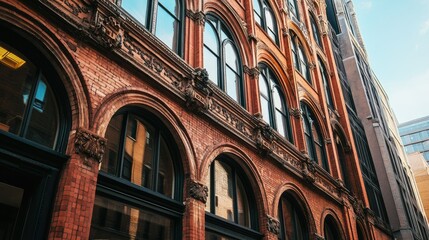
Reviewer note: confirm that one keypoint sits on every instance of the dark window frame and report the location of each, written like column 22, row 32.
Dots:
column 264, row 6
column 220, row 27
column 298, row 214
column 326, row 84
column 272, row 83
column 293, row 9
column 301, row 63
column 315, row 30
column 151, row 17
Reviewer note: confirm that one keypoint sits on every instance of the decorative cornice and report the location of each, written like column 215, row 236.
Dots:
column 264, row 137
column 89, row 145
column 273, row 225
column 252, row 72
column 107, row 31
column 192, row 89
column 198, row 191
column 198, row 17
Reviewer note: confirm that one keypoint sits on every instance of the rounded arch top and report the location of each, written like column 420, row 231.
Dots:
column 318, row 113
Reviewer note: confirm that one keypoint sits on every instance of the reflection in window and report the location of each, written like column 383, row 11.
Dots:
column 28, row 107
column 273, row 104
column 313, row 137
column 164, row 19
column 140, row 156
column 264, row 16
column 221, row 59
column 292, row 220
column 299, row 57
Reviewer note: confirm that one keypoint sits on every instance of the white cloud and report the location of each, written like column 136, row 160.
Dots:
column 366, row 4
column 424, row 28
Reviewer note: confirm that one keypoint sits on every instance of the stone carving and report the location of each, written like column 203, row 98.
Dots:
column 198, row 17
column 198, row 191
column 252, row 72
column 318, row 237
column 201, row 80
column 309, row 169
column 108, row 32
column 323, row 25
column 358, row 207
column 264, row 137
column 295, row 112
column 273, row 225
column 89, row 145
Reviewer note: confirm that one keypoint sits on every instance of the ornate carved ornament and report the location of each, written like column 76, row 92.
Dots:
column 273, row 225
column 89, row 145
column 197, row 91
column 323, row 25
column 198, row 191
column 295, row 112
column 358, row 208
column 252, row 72
column 198, row 17
column 318, row 237
column 264, row 137
column 107, row 31
column 73, row 11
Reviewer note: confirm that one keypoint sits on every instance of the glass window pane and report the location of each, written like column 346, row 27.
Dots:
column 170, row 5
column 242, row 204
column 231, row 84
column 211, row 63
column 166, row 170
column 43, row 127
column 167, row 29
column 271, row 26
column 210, row 38
column 257, row 11
column 113, row 134
column 137, row 9
column 224, row 205
column 231, row 58
column 280, row 123
column 15, row 89
column 265, row 110
column 116, row 220
column 263, row 88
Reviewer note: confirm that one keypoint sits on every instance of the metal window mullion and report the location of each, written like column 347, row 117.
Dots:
column 152, row 12
column 155, row 160
column 122, row 144
column 234, row 196
column 30, row 102
column 212, row 188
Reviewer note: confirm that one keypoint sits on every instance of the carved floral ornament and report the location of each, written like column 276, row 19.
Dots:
column 107, row 31
column 273, row 225
column 89, row 145
column 198, row 17
column 198, row 191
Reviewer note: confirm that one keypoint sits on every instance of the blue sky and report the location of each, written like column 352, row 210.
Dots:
column 396, row 36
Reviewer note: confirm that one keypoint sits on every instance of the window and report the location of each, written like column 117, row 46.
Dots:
column 330, row 229
column 313, row 137
column 229, row 202
column 139, row 187
column 299, row 58
column 326, row 85
column 293, row 224
column 162, row 17
column 273, row 104
column 315, row 30
column 221, row 59
column 28, row 106
column 264, row 16
column 293, row 8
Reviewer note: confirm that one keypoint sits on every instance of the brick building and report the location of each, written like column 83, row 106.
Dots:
column 175, row 120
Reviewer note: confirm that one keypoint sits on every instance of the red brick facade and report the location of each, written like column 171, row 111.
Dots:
column 106, row 62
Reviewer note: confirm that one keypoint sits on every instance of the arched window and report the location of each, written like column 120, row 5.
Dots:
column 299, row 58
column 264, row 16
column 326, row 84
column 315, row 30
column 330, row 229
column 141, row 163
column 293, row 8
column 293, row 223
column 313, row 137
column 221, row 59
column 162, row 17
column 273, row 104
column 229, row 201
column 343, row 164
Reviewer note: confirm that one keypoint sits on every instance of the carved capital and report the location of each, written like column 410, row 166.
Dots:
column 295, row 112
column 318, row 237
column 198, row 17
column 264, row 137
column 201, row 80
column 273, row 225
column 311, row 65
column 198, row 191
column 252, row 37
column 285, row 32
column 89, row 145
column 252, row 72
column 328, row 140
column 107, row 31
column 358, row 207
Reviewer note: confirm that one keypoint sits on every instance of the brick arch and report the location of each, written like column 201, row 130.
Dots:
column 236, row 27
column 339, row 130
column 299, row 196
column 140, row 98
column 247, row 165
column 55, row 49
column 330, row 213
column 267, row 57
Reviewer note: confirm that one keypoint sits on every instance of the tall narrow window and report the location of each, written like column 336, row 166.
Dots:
column 330, row 228
column 221, row 59
column 229, row 200
column 162, row 17
column 273, row 104
column 293, row 224
column 141, row 164
column 299, row 57
column 315, row 31
column 326, row 84
column 293, row 8
column 264, row 16
column 313, row 137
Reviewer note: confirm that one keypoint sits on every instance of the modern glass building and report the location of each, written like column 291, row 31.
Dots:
column 415, row 136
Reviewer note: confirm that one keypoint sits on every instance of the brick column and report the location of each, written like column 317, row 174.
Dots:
column 71, row 217
column 194, row 224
